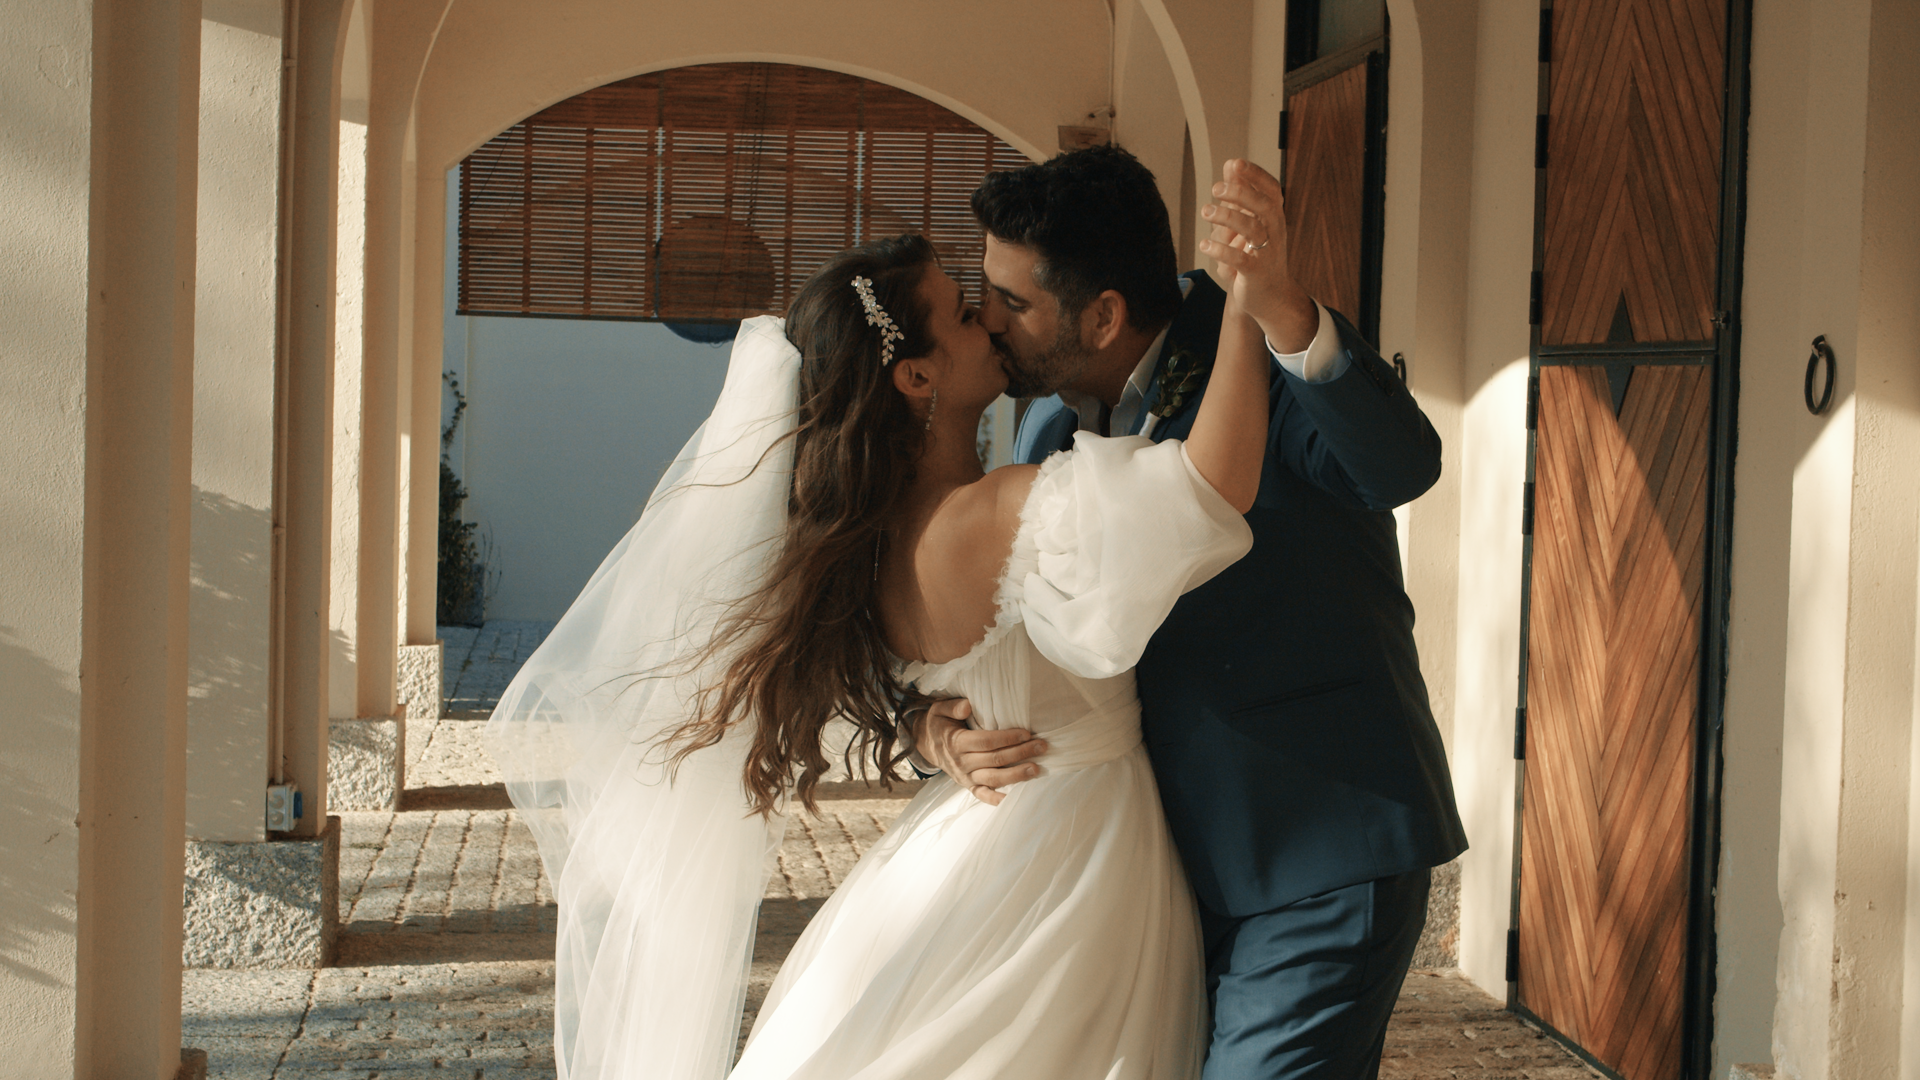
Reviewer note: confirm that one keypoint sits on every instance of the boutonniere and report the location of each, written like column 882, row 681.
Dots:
column 1186, row 373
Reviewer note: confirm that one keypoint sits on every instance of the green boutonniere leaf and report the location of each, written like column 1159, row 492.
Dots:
column 1185, row 375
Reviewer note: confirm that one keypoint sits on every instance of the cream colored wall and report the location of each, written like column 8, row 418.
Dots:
column 1492, row 468
column 1018, row 69
column 46, row 71
column 1423, row 299
column 1834, row 238
column 1209, row 48
column 1149, row 120
column 235, row 340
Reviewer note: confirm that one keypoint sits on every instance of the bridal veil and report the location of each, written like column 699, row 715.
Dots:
column 657, row 871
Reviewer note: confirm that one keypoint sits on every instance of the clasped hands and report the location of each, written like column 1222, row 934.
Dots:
column 1248, row 245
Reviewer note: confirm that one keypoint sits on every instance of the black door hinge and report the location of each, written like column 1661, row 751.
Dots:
column 1533, row 402
column 1546, row 35
column 1540, row 141
column 1526, row 510
column 1520, row 733
column 1283, row 129
column 1513, row 956
column 1536, row 287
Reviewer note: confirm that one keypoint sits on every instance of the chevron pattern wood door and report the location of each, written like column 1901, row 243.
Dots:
column 1633, row 169
column 1326, row 187
column 1613, row 664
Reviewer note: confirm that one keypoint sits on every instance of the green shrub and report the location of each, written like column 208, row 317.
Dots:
column 465, row 584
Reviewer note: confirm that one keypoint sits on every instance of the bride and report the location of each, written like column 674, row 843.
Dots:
column 826, row 546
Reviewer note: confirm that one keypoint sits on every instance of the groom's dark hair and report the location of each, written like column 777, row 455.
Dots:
column 1096, row 219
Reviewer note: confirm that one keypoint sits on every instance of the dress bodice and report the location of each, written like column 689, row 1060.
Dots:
column 1113, row 532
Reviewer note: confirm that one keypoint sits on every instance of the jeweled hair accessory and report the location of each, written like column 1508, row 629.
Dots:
column 877, row 316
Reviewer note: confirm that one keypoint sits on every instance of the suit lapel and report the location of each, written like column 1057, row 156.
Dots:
column 1197, row 330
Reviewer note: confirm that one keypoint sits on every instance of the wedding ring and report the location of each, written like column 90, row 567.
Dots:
column 1261, row 244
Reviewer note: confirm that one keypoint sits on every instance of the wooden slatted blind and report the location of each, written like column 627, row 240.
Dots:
column 711, row 192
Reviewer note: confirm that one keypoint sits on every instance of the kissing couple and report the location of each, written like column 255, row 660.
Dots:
column 1189, row 787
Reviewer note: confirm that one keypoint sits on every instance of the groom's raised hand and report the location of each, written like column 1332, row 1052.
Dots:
column 981, row 761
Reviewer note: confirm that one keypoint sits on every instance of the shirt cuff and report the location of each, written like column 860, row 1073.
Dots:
column 903, row 735
column 1323, row 361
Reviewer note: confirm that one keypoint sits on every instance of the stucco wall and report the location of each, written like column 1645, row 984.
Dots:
column 1016, row 68
column 45, row 69
column 1499, row 249
column 1822, row 683
column 235, row 328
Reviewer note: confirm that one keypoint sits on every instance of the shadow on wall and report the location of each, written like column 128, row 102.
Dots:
column 228, row 614
column 40, row 847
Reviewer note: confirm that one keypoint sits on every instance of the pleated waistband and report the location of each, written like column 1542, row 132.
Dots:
column 1094, row 739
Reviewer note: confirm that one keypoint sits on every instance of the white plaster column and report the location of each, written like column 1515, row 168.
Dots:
column 306, row 403
column 422, row 460
column 1491, row 459
column 1430, row 110
column 349, row 421
column 425, row 278
column 138, row 409
column 236, row 337
column 377, row 598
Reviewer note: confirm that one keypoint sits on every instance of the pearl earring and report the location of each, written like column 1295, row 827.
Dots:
column 932, row 404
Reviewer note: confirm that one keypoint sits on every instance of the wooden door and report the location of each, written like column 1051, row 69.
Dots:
column 1613, row 661
column 1629, row 304
column 1334, row 133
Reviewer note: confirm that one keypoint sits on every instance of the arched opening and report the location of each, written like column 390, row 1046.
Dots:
column 597, row 248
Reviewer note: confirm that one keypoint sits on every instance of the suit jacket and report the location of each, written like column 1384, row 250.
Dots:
column 1282, row 703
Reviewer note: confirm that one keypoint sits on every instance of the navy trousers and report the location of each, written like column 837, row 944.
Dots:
column 1306, row 990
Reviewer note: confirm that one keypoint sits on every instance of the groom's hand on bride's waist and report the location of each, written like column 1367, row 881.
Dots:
column 981, row 761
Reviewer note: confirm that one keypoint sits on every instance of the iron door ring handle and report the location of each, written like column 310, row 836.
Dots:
column 1821, row 351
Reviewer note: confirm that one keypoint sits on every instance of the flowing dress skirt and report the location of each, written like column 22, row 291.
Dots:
column 1051, row 937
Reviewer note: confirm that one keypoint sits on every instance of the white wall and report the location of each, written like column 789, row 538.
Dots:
column 569, row 425
column 1493, row 468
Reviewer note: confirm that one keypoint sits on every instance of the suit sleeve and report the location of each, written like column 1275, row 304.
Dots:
column 1360, row 437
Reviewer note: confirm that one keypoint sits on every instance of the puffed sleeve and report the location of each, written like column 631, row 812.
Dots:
column 1113, row 532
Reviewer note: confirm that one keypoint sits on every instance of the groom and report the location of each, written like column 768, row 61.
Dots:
column 1282, row 706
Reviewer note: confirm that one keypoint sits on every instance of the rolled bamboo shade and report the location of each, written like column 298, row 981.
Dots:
column 711, row 192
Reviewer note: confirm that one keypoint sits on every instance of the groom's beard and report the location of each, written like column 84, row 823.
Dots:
column 1062, row 361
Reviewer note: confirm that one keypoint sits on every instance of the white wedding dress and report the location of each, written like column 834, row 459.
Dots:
column 1051, row 937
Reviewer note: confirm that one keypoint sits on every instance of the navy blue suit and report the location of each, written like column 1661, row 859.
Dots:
column 1287, row 720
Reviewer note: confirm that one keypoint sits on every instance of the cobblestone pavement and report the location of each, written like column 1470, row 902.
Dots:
column 445, row 966
column 479, row 663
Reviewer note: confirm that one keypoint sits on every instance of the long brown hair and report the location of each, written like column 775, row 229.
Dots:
column 807, row 647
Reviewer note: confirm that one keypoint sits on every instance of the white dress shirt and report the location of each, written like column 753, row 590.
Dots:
column 1323, row 360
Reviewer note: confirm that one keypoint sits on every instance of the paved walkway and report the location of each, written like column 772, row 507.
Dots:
column 445, row 967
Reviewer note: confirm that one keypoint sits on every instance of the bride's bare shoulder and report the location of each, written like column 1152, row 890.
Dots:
column 982, row 515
